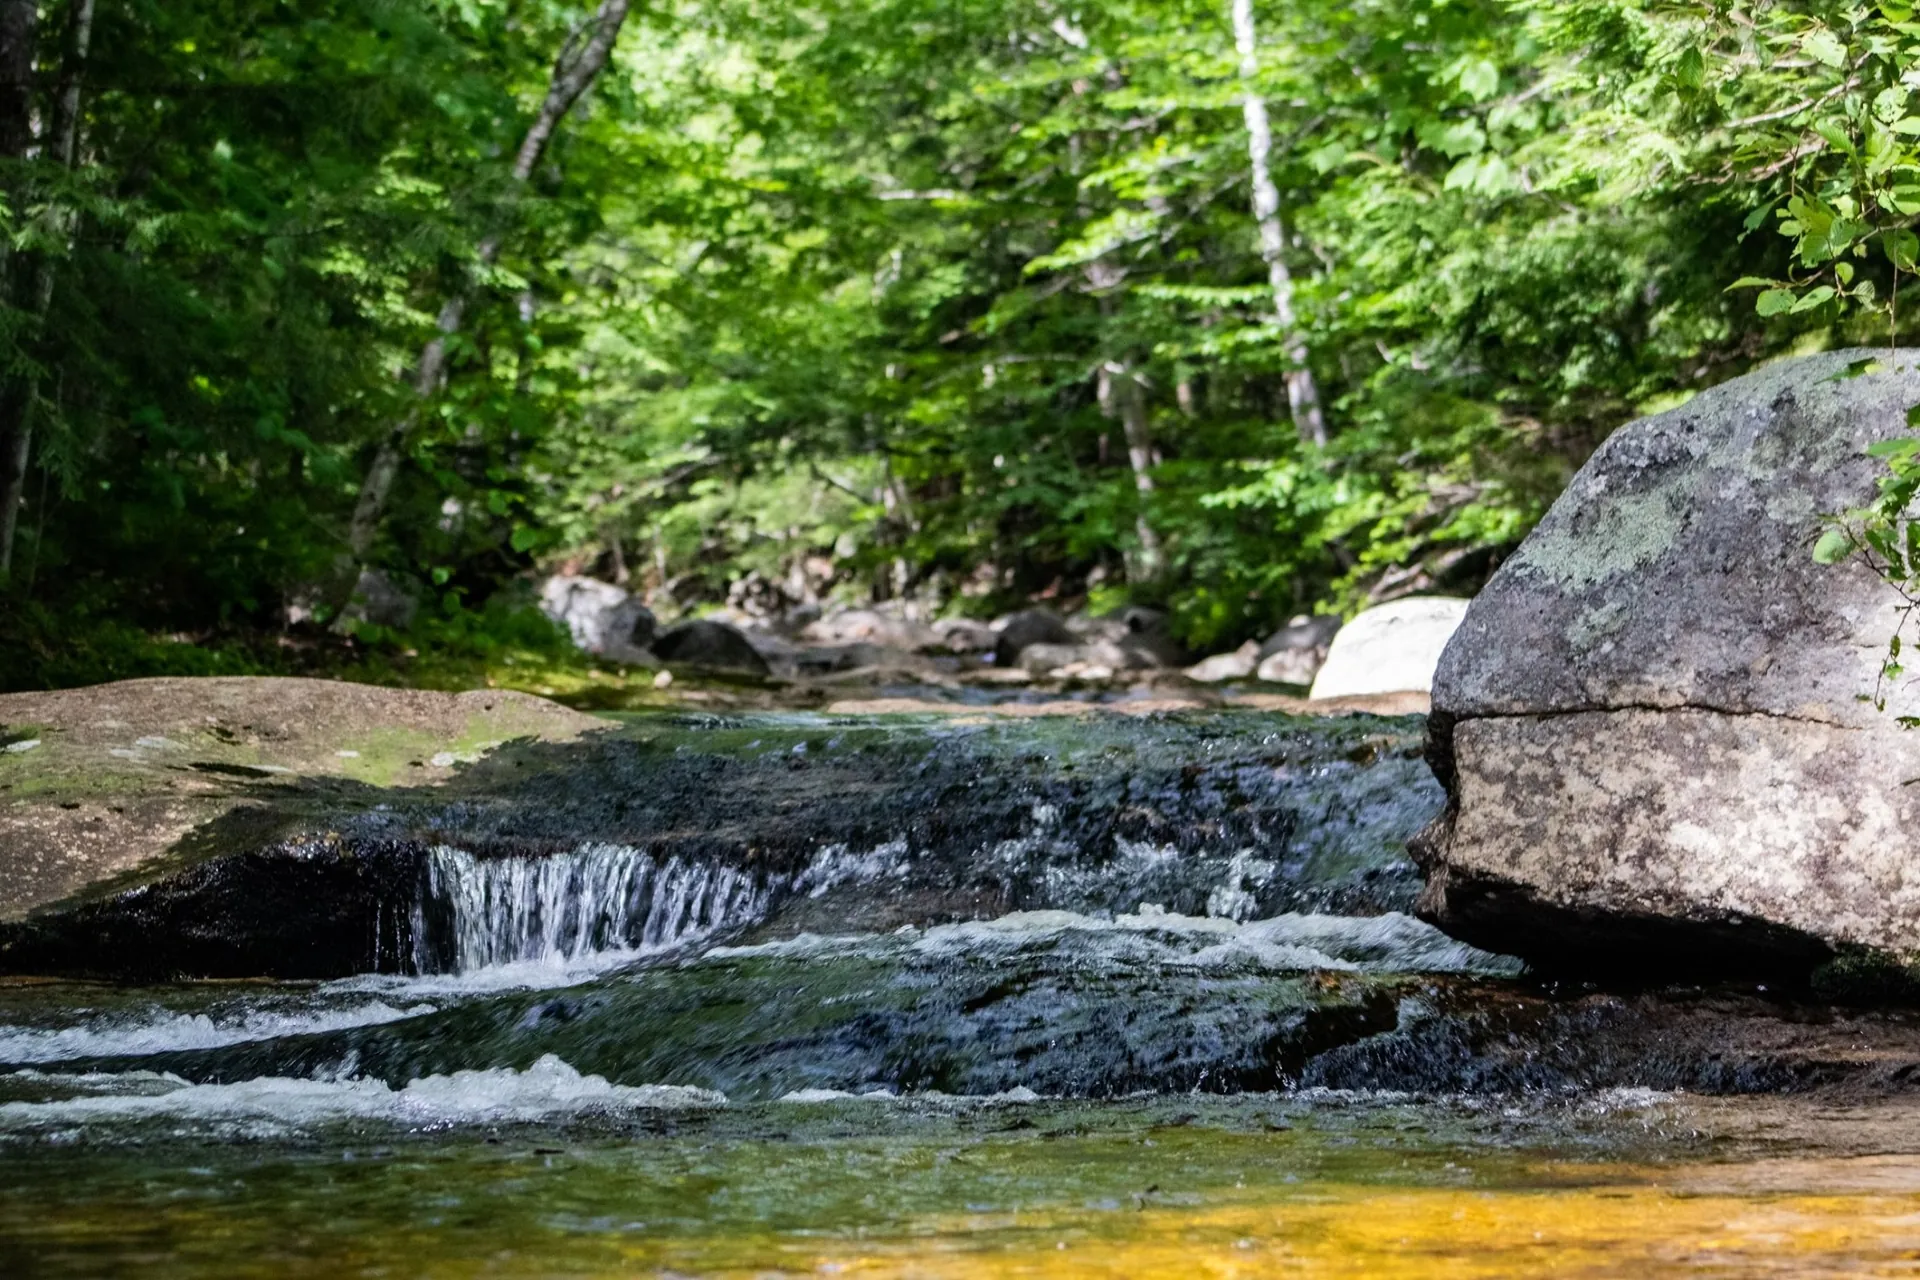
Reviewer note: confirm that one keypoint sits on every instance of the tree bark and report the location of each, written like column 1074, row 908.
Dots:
column 574, row 71
column 21, row 390
column 1130, row 400
column 1303, row 395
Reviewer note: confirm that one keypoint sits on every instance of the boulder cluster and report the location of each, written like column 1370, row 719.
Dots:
column 1389, row 649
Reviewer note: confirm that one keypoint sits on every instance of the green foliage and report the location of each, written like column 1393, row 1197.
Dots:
column 846, row 298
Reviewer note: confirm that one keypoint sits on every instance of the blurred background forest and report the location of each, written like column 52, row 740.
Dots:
column 1243, row 310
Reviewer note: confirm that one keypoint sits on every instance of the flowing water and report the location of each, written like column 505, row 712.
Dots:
column 1133, row 998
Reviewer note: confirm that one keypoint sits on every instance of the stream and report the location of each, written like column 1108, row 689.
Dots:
column 781, row 994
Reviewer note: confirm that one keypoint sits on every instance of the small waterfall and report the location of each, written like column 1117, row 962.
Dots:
column 568, row 907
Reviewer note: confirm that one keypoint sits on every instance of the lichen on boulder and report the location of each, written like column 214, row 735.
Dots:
column 1656, row 723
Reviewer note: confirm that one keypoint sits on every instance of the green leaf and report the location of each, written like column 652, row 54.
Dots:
column 1690, row 71
column 1758, row 216
column 1479, row 79
column 525, row 538
column 1902, row 248
column 1815, row 297
column 1773, row 302
column 1824, row 47
column 1748, row 282
column 1832, row 547
column 1835, row 135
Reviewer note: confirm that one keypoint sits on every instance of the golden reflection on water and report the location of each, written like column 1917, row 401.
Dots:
column 1718, row 1221
column 1756, row 1187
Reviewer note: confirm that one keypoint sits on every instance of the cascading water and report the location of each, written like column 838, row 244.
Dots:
column 565, row 908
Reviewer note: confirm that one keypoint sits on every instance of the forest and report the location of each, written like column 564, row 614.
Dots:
column 1239, row 309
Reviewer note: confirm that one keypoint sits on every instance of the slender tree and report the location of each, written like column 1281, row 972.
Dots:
column 1131, row 398
column 21, row 389
column 1303, row 395
column 581, row 59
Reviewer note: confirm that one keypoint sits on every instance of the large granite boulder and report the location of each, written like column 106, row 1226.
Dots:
column 1390, row 648
column 1653, row 723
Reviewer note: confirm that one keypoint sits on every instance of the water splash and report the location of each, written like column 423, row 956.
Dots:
column 1160, row 940
column 548, row 1089
column 166, row 1031
column 598, row 901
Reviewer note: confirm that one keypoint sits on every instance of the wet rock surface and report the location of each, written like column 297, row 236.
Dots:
column 1651, row 722
column 865, row 825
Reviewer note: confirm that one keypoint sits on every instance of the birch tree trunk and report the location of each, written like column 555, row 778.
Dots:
column 1303, row 396
column 21, row 389
column 574, row 71
column 1130, row 401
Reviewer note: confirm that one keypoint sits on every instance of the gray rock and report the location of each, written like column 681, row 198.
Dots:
column 1302, row 632
column 1650, row 722
column 714, row 645
column 1390, row 648
column 869, row 626
column 963, row 635
column 1237, row 665
column 1029, row 627
column 603, row 619
column 1149, row 639
column 382, row 599
column 1141, row 638
column 1041, row 659
column 1295, row 653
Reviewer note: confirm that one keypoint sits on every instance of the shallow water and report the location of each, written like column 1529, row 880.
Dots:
column 1082, row 1037
column 1314, row 1185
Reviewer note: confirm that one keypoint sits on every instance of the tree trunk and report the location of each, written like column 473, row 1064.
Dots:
column 574, row 72
column 1303, row 396
column 1131, row 401
column 62, row 145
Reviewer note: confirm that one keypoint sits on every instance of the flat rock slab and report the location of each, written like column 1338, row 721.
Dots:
column 119, row 773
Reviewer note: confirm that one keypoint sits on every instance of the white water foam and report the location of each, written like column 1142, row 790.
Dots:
column 572, row 909
column 521, row 975
column 1017, row 1096
column 165, row 1031
column 547, row 1090
column 1391, row 943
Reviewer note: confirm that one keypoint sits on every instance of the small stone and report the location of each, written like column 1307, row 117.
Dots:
column 444, row 760
column 663, row 680
column 22, row 747
column 348, row 755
